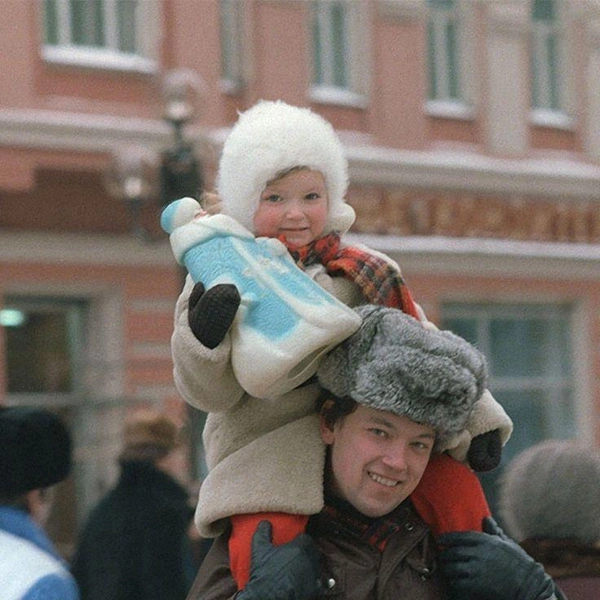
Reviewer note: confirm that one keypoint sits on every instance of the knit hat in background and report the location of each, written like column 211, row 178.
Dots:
column 149, row 428
column 393, row 363
column 552, row 490
column 270, row 138
column 35, row 449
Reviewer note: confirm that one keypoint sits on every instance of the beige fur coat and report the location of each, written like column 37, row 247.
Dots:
column 267, row 455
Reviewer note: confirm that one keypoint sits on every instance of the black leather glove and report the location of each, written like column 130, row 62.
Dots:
column 491, row 566
column 485, row 451
column 211, row 313
column 287, row 572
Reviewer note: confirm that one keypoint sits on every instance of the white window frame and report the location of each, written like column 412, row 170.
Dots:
column 356, row 60
column 232, row 39
column 544, row 114
column 143, row 60
column 462, row 107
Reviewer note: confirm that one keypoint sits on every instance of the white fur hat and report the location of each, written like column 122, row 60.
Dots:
column 270, row 138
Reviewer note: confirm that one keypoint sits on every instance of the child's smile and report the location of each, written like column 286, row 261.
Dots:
column 294, row 206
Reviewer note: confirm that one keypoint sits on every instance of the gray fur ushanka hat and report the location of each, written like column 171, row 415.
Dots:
column 394, row 363
column 271, row 138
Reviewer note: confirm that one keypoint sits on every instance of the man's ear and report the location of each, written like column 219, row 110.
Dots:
column 325, row 424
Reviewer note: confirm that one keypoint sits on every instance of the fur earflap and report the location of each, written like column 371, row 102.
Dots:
column 271, row 138
column 393, row 363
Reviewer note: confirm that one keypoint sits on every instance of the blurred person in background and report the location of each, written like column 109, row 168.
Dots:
column 35, row 454
column 550, row 502
column 135, row 544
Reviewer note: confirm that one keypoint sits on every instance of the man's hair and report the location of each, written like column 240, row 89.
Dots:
column 333, row 409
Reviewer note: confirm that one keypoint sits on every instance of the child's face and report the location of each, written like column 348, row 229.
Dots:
column 294, row 206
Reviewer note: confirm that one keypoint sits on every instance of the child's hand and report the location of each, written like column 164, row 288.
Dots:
column 211, row 313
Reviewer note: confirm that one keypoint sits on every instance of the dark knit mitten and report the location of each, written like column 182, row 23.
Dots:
column 211, row 313
column 485, row 451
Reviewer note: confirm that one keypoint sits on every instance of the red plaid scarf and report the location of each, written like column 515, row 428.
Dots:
column 374, row 531
column 379, row 281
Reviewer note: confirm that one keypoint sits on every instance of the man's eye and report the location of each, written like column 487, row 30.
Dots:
column 312, row 196
column 421, row 445
column 378, row 432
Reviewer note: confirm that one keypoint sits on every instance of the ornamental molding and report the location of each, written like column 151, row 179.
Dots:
column 555, row 176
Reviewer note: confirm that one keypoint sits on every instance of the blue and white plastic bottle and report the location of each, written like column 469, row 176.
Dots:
column 286, row 322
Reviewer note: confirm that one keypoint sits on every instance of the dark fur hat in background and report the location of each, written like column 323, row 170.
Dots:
column 394, row 363
column 35, row 449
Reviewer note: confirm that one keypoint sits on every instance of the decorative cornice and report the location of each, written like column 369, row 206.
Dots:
column 447, row 169
column 45, row 129
column 460, row 170
column 82, row 249
column 485, row 257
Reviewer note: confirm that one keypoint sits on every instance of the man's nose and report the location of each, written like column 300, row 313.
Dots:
column 395, row 457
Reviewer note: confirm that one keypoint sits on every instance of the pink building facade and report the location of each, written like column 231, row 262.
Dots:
column 472, row 130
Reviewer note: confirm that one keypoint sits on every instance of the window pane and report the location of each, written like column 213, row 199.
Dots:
column 443, row 51
column 126, row 17
column 543, row 10
column 50, row 22
column 465, row 328
column 317, row 48
column 518, row 348
column 87, row 23
column 431, row 62
column 38, row 354
column 452, row 64
column 340, row 51
column 42, row 345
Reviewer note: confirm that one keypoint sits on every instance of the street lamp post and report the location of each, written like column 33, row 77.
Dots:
column 138, row 177
column 180, row 172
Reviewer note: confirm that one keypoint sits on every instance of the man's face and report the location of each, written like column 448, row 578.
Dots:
column 294, row 206
column 377, row 458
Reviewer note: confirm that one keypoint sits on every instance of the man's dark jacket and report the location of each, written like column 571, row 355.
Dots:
column 388, row 559
column 135, row 545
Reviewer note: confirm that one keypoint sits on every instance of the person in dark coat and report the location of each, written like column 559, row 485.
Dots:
column 550, row 503
column 135, row 543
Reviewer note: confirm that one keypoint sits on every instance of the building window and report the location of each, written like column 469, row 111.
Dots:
column 545, row 56
column 231, row 17
column 101, row 33
column 44, row 338
column 449, row 58
column 443, row 51
column 338, row 51
column 550, row 74
column 528, row 348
